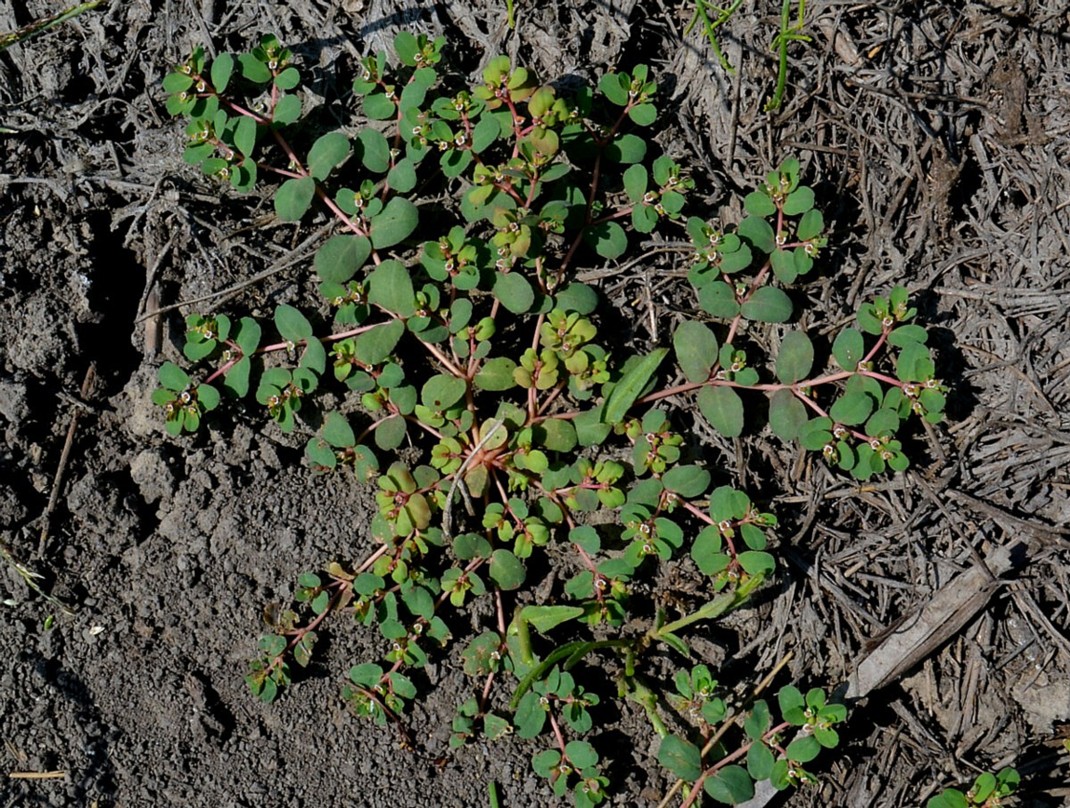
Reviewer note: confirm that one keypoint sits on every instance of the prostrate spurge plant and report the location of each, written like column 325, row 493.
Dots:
column 480, row 349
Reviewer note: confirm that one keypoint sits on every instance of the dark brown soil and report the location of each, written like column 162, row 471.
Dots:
column 936, row 135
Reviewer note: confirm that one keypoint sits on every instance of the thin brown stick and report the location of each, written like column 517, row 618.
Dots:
column 57, row 481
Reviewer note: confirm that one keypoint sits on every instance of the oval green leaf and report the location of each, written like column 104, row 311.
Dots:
column 796, row 357
column 390, row 286
column 768, row 305
column 731, row 785
column 696, row 350
column 340, row 257
column 395, row 223
column 293, row 198
column 514, row 291
column 848, row 348
column 723, row 408
column 496, row 374
column 681, row 757
column 292, row 324
column 718, row 299
column 327, row 153
column 506, row 569
column 787, row 414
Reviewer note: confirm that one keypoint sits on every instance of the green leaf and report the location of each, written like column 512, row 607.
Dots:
column 615, row 87
column 635, row 182
column 337, row 431
column 803, row 750
column 375, row 150
column 851, row 409
column 792, row 705
column 292, row 324
column 687, row 481
column 731, row 785
column 222, row 68
column 441, row 392
column 796, row 357
column 557, row 435
column 367, row 674
column 248, row 335
column 395, row 223
column 787, row 414
column 378, row 107
column 467, row 546
column 904, row 334
column 253, row 69
column 848, row 348
column 810, row 225
column 590, row 429
column 514, row 291
column 237, row 380
column 245, row 135
column 799, row 201
column 760, row 761
column 631, row 386
column 485, row 133
column 758, row 232
column 948, row 798
column 340, row 257
column 402, row 177
column 327, row 153
column 582, row 754
column 177, row 82
column 407, row 47
column 696, row 350
column 643, row 114
column 723, row 408
column 756, row 562
column 390, row 286
column 496, row 374
column 768, row 305
column 376, row 344
column 759, row 204
column 608, row 239
column 530, row 718
column 173, row 377
column 288, row 78
column 626, row 148
column 577, row 297
column 883, row 422
column 390, row 433
column 718, row 299
column 208, row 396
column 544, row 762
column 293, row 198
column 314, row 357
column 784, row 267
column 507, row 570
column 287, row 110
column 681, row 757
column 546, row 618
column 914, row 364
column 757, row 723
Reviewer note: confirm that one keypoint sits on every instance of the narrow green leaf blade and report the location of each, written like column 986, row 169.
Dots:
column 629, row 388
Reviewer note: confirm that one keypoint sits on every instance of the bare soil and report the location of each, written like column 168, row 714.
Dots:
column 936, row 135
